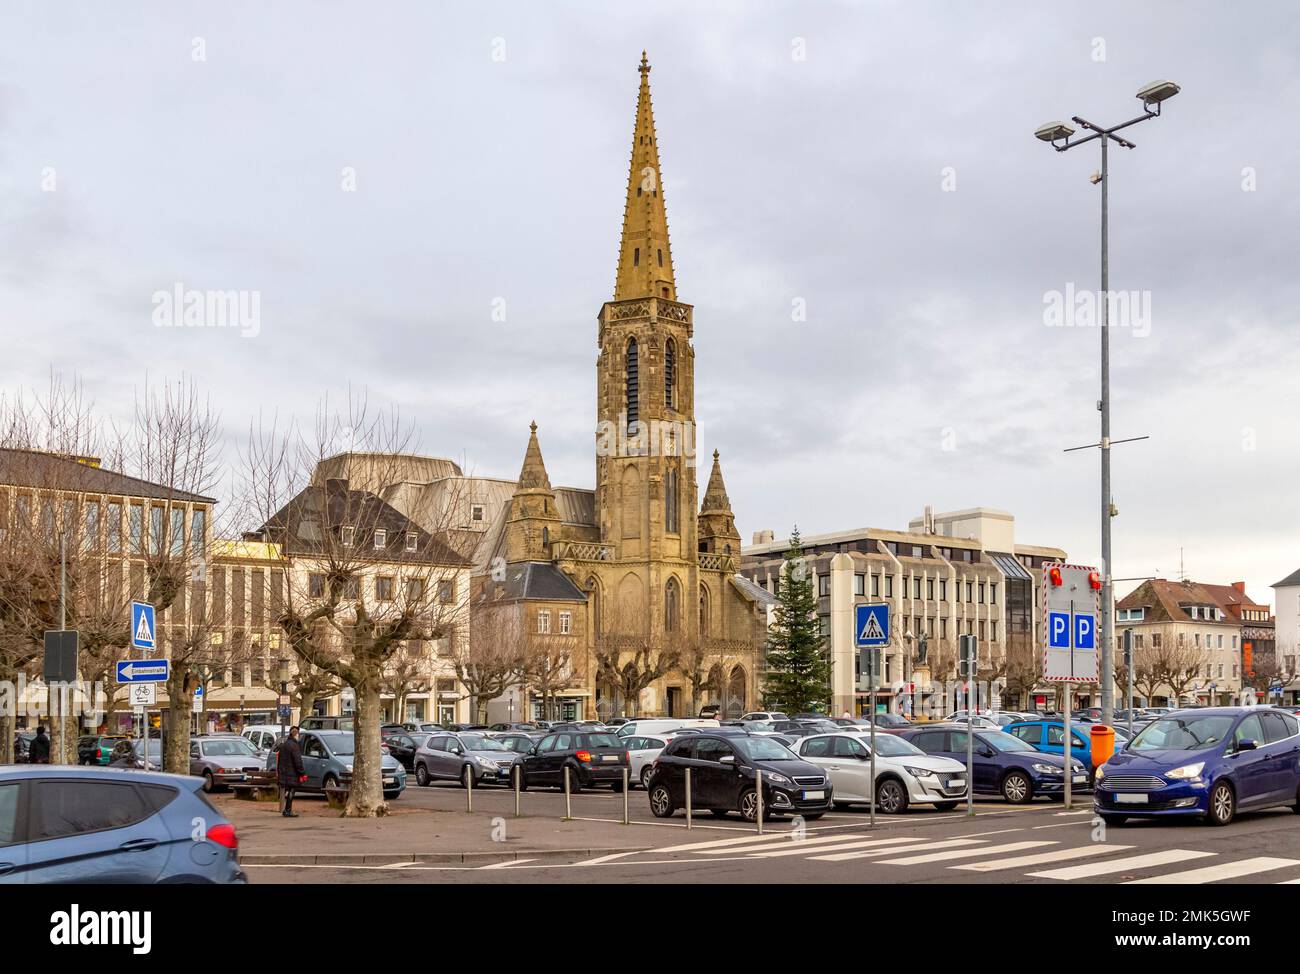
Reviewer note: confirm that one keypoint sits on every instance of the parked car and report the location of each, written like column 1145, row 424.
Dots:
column 904, row 773
column 403, row 747
column 22, row 746
column 98, row 825
column 765, row 715
column 617, row 721
column 327, row 761
column 129, row 753
column 460, row 757
column 724, row 778
column 711, row 711
column 641, row 753
column 96, row 748
column 421, row 727
column 264, row 737
column 523, row 726
column 1211, row 763
column 222, row 761
column 464, row 728
column 885, row 722
column 795, row 729
column 1090, row 714
column 661, row 725
column 1048, row 736
column 1001, row 764
column 519, row 742
column 329, row 723
column 592, row 758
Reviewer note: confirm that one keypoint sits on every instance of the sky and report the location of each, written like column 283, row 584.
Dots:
column 425, row 199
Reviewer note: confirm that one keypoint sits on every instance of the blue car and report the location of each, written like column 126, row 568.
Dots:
column 66, row 824
column 1048, row 736
column 1209, row 762
column 1002, row 764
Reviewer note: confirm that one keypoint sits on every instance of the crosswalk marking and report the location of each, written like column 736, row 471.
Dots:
column 809, row 846
column 963, row 853
column 790, row 840
column 1121, row 865
column 1289, row 882
column 1039, row 858
column 943, row 844
column 723, row 843
column 1224, row 870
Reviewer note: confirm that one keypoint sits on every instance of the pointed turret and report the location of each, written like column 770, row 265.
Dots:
column 645, row 261
column 717, row 524
column 534, row 521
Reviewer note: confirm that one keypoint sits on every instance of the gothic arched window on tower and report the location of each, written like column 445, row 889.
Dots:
column 672, row 605
column 670, row 373
column 672, row 502
column 704, row 610
column 633, row 403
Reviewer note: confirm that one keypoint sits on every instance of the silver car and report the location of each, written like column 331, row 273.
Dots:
column 460, row 757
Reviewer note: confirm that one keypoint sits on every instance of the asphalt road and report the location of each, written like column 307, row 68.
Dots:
column 1040, row 843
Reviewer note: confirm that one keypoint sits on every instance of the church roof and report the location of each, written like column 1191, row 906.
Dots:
column 645, row 260
column 753, row 591
column 716, row 500
column 537, row 581
column 533, row 475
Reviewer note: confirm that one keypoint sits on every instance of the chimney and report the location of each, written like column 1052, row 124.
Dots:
column 1240, row 587
column 764, row 537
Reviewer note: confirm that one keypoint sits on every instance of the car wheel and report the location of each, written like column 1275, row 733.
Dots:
column 944, row 806
column 1296, row 807
column 1017, row 788
column 645, row 777
column 466, row 774
column 891, row 797
column 1223, row 804
column 575, row 782
column 422, row 775
column 749, row 805
column 208, row 783
column 329, row 782
column 616, row 787
column 1113, row 819
column 661, row 802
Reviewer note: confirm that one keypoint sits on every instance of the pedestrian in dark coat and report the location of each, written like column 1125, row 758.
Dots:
column 39, row 751
column 290, row 770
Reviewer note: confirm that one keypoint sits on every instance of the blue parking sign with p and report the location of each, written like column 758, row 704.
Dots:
column 143, row 634
column 1085, row 630
column 1058, row 630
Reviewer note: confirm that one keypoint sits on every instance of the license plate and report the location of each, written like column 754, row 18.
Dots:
column 1131, row 799
column 957, row 783
column 609, row 757
column 813, row 796
column 1080, row 779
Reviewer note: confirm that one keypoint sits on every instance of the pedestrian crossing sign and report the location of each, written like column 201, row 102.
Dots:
column 142, row 626
column 871, row 625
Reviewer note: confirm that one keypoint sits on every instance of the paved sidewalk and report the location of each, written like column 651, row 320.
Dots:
column 319, row 836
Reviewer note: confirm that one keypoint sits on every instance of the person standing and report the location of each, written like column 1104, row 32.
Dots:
column 289, row 767
column 39, row 751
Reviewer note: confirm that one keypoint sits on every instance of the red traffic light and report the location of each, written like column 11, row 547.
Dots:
column 1094, row 580
column 1054, row 574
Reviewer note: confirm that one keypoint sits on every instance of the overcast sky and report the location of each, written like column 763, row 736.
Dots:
column 874, row 163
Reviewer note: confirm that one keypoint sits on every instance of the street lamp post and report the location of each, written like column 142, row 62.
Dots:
column 1058, row 134
column 282, row 673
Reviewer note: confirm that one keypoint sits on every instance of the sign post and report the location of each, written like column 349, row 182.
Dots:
column 967, row 669
column 871, row 632
column 1071, row 595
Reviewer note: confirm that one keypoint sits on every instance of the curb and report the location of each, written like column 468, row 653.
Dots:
column 377, row 859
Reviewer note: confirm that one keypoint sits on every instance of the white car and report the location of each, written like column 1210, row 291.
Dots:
column 905, row 775
column 661, row 725
column 642, row 749
column 765, row 715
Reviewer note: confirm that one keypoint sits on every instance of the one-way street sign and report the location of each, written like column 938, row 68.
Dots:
column 143, row 670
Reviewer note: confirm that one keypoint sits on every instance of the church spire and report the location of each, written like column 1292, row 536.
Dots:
column 533, row 475
column 534, row 520
column 717, row 524
column 645, row 262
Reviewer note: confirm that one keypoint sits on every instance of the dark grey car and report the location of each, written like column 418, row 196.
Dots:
column 224, row 760
column 459, row 757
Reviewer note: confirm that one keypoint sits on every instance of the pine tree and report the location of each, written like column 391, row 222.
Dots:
column 798, row 672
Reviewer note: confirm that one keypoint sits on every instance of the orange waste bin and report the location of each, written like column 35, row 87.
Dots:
column 1102, row 741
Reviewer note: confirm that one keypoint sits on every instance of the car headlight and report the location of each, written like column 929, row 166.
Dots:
column 776, row 779
column 347, row 767
column 1101, row 771
column 1048, row 769
column 1188, row 772
column 919, row 772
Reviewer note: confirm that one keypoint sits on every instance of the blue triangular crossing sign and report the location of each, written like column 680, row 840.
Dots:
column 871, row 625
column 142, row 625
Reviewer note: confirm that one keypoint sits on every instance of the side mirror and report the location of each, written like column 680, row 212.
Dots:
column 727, row 759
column 1248, row 745
column 533, row 749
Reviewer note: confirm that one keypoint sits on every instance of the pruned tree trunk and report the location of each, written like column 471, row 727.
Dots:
column 176, row 722
column 366, row 797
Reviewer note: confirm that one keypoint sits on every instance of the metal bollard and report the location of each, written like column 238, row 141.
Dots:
column 568, row 797
column 518, row 771
column 469, row 790
column 688, row 798
column 758, row 797
column 626, row 789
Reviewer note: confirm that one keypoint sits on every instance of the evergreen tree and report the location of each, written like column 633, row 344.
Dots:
column 798, row 674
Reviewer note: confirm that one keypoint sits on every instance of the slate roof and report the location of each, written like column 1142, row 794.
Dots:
column 534, row 580
column 1292, row 579
column 50, row 471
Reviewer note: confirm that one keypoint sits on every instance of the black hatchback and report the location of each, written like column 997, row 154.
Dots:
column 592, row 759
column 723, row 771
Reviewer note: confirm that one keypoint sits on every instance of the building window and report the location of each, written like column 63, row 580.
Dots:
column 636, row 251
column 889, row 586
column 384, row 588
column 875, row 586
column 113, row 527
column 672, row 502
column 414, row 590
column 316, row 585
column 177, row 540
column 993, row 592
column 672, row 605
column 198, row 531
column 446, row 591
column 381, row 538
column 660, row 254
column 633, row 404
column 929, row 589
column 543, row 621
column 670, row 368
column 970, row 592
column 943, row 590
column 993, row 629
column 981, row 593
column 91, row 528
column 476, row 513
column 566, row 623
column 412, row 540
column 916, row 588
column 859, row 584
column 943, row 628
column 347, row 535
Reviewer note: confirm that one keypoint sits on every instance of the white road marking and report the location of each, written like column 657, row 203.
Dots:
column 603, row 859
column 1038, row 859
column 963, row 853
column 839, row 844
column 942, row 844
column 1120, row 865
column 750, row 839
column 507, row 864
column 1224, row 870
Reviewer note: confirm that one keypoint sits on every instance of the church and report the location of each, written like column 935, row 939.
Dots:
column 629, row 595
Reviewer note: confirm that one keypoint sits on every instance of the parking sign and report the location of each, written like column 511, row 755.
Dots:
column 1070, row 609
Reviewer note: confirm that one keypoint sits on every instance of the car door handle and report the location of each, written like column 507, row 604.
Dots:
column 139, row 845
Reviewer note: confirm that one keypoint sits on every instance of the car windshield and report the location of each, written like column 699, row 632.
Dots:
column 890, row 720
column 889, row 746
column 227, row 749
column 758, row 725
column 340, row 745
column 1183, row 733
column 155, row 747
column 603, row 740
column 474, row 742
column 765, row 749
column 1005, row 742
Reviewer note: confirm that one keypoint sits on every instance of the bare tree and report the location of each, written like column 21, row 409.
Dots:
column 493, row 659
column 362, row 580
column 547, row 667
column 628, row 659
column 407, row 671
